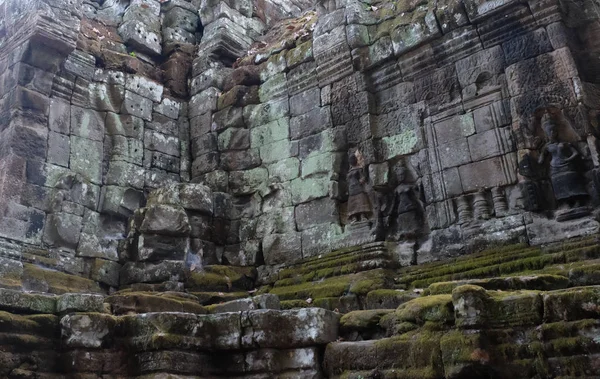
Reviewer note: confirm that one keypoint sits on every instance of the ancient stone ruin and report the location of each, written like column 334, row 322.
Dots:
column 298, row 189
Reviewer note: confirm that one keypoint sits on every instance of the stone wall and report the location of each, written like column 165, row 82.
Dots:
column 446, row 109
column 444, row 104
column 171, row 169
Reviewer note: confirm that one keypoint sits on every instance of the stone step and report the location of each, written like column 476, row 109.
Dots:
column 264, row 301
column 132, row 302
column 349, row 286
column 334, row 271
column 221, row 279
column 543, row 282
column 363, row 325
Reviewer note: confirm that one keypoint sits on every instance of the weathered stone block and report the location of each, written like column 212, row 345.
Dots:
column 204, row 144
column 314, row 121
column 316, row 212
column 87, row 124
column 136, row 34
column 144, row 87
column 137, row 105
column 125, row 174
column 247, row 182
column 234, row 139
column 105, row 97
column 158, row 247
column 79, row 302
column 282, row 248
column 59, row 149
column 240, row 160
column 276, row 151
column 165, row 219
column 86, row 158
column 196, row 197
column 296, row 328
column 124, row 125
column 92, row 330
column 261, row 114
column 285, row 169
column 154, row 140
column 203, row 102
column 304, row 190
column 271, row 132
column 60, row 116
column 205, row 163
column 493, row 172
column 143, row 272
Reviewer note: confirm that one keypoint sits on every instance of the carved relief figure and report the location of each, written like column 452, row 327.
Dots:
column 405, row 211
column 567, row 182
column 359, row 206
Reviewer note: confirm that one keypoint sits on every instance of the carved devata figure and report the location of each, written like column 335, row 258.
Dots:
column 405, row 211
column 567, row 182
column 359, row 205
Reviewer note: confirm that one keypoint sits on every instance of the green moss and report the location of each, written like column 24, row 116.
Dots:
column 490, row 269
column 143, row 302
column 562, row 329
column 436, row 308
column 543, row 282
column 43, row 324
column 460, row 348
column 362, row 320
column 359, row 284
column 291, row 304
column 58, row 282
column 415, row 349
column 388, row 298
column 472, row 267
column 221, row 278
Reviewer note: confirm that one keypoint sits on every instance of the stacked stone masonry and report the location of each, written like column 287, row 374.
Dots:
column 202, row 187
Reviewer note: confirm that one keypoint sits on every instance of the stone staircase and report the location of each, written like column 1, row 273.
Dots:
column 516, row 311
column 336, row 281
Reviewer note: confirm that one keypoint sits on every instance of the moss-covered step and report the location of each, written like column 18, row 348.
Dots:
column 475, row 307
column 33, row 332
column 542, row 282
column 505, row 261
column 143, row 302
column 219, row 278
column 363, row 325
column 412, row 355
column 208, row 298
column 36, row 278
column 336, row 263
column 354, row 284
column 388, row 298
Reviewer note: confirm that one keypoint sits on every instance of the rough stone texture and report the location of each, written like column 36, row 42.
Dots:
column 188, row 153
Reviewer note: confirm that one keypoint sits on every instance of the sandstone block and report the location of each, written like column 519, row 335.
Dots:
column 282, row 248
column 156, row 247
column 92, row 330
column 137, row 105
column 144, row 87
column 137, row 34
column 295, row 328
column 165, row 219
column 80, row 302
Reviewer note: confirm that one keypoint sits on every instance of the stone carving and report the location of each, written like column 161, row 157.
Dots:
column 465, row 213
column 359, row 205
column 405, row 213
column 499, row 201
column 481, row 208
column 531, row 185
column 567, row 182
